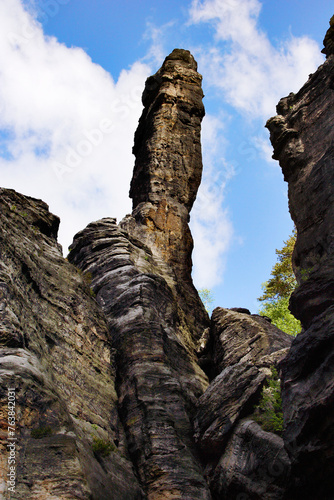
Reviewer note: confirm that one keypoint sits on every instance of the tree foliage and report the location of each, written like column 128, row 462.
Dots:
column 206, row 297
column 282, row 282
column 278, row 289
column 278, row 311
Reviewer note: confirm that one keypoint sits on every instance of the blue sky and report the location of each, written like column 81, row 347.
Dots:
column 71, row 77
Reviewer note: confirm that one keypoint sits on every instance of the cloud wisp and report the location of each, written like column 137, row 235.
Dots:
column 66, row 126
column 242, row 62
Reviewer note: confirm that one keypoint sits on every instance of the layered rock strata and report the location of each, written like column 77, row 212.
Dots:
column 255, row 465
column 303, row 139
column 141, row 275
column 55, row 352
column 167, row 174
column 111, row 357
column 158, row 378
column 242, row 348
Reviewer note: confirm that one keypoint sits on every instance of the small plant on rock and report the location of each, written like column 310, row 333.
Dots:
column 269, row 413
column 102, row 448
column 41, row 432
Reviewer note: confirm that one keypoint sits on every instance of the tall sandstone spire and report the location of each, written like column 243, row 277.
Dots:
column 167, row 173
column 140, row 272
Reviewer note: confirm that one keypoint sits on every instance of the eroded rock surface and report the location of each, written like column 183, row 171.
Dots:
column 167, row 175
column 106, row 355
column 55, row 352
column 158, row 378
column 141, row 275
column 242, row 337
column 303, row 139
column 242, row 348
column 254, row 466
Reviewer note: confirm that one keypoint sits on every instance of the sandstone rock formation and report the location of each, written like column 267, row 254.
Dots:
column 141, row 275
column 123, row 388
column 243, row 348
column 302, row 136
column 167, row 175
column 55, row 352
column 158, row 378
column 254, row 465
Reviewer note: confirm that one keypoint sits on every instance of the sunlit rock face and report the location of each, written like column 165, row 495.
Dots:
column 167, row 174
column 158, row 378
column 303, row 139
column 141, row 276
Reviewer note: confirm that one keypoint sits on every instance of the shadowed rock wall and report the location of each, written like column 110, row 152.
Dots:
column 55, row 352
column 303, row 139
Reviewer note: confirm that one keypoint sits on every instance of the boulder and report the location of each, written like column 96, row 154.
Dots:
column 254, row 466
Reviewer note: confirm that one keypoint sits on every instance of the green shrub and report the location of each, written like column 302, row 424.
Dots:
column 102, row 448
column 41, row 432
column 269, row 413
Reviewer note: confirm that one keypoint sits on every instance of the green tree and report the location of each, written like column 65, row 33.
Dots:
column 278, row 289
column 206, row 297
column 282, row 282
column 269, row 413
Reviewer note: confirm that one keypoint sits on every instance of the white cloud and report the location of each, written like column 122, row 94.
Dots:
column 67, row 126
column 157, row 37
column 210, row 225
column 241, row 62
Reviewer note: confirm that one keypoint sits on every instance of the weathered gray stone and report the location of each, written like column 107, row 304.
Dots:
column 306, row 155
column 131, row 319
column 329, row 39
column 167, row 175
column 308, row 408
column 242, row 349
column 56, row 353
column 230, row 396
column 241, row 337
column 158, row 379
column 254, row 466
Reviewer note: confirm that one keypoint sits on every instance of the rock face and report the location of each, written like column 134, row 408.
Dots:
column 255, row 465
column 167, row 175
column 158, row 379
column 55, row 352
column 141, row 275
column 243, row 337
column 123, row 389
column 302, row 136
column 243, row 348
